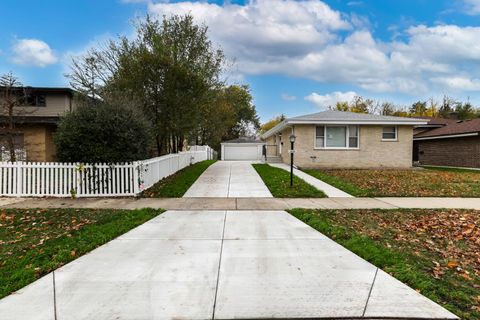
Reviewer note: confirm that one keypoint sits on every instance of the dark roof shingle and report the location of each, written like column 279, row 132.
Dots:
column 452, row 128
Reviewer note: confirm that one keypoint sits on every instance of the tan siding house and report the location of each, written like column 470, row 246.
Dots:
column 335, row 139
column 37, row 120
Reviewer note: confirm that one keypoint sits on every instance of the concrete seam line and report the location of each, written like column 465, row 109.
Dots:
column 229, row 179
column 390, row 204
column 54, row 297
column 370, row 293
column 219, row 265
column 339, row 203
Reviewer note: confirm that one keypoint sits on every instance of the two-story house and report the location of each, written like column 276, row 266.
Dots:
column 36, row 121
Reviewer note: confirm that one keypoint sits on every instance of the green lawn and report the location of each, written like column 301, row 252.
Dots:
column 436, row 252
column 278, row 182
column 431, row 182
column 177, row 184
column 34, row 242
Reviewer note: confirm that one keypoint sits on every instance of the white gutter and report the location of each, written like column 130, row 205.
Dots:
column 242, row 143
column 382, row 122
column 285, row 123
column 447, row 136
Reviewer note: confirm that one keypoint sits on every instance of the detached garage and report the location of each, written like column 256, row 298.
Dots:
column 242, row 149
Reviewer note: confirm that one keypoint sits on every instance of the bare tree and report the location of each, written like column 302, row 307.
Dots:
column 91, row 72
column 12, row 95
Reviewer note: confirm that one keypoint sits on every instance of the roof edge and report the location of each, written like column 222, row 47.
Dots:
column 447, row 136
column 400, row 122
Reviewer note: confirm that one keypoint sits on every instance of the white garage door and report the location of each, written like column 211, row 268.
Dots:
column 239, row 152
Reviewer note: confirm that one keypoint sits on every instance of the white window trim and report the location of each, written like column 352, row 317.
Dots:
column 347, row 142
column 396, row 134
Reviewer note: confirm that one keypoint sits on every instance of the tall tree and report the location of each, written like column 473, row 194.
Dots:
column 447, row 107
column 465, row 111
column 247, row 122
column 361, row 105
column 419, row 109
column 12, row 96
column 387, row 109
column 342, row 106
column 170, row 69
column 218, row 117
column 271, row 123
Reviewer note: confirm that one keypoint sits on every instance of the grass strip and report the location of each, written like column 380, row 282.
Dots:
column 339, row 183
column 411, row 260
column 177, row 184
column 278, row 182
column 35, row 242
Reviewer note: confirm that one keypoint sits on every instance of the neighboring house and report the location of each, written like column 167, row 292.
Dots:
column 243, row 148
column 336, row 139
column 448, row 142
column 36, row 121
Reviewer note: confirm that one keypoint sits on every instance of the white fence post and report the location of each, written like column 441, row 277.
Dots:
column 136, row 177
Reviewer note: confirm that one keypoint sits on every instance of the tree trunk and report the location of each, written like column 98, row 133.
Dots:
column 11, row 126
column 180, row 142
column 159, row 145
column 11, row 147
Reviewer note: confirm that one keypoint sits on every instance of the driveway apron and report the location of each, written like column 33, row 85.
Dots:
column 229, row 179
column 219, row 265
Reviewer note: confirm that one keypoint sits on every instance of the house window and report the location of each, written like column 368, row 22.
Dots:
column 34, row 100
column 320, row 137
column 336, row 137
column 389, row 133
column 18, row 141
column 353, row 136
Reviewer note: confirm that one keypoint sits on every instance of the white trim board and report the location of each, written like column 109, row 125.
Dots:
column 447, row 136
column 286, row 123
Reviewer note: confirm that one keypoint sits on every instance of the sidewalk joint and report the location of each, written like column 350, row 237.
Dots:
column 370, row 293
column 390, row 204
column 229, row 180
column 54, row 297
column 219, row 265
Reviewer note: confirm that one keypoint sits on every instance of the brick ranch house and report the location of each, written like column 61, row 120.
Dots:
column 337, row 139
column 448, row 142
column 36, row 121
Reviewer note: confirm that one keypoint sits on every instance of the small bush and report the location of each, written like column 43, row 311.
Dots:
column 100, row 132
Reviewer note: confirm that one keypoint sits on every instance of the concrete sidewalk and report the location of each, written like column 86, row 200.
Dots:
column 229, row 179
column 220, row 265
column 329, row 190
column 244, row 203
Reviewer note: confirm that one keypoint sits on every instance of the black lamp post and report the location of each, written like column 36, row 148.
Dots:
column 292, row 142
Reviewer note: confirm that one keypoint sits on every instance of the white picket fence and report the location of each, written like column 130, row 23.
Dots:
column 55, row 179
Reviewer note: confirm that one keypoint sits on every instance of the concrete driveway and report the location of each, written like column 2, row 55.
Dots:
column 219, row 265
column 229, row 179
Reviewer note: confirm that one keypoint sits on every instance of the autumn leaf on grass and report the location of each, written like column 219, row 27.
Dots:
column 452, row 264
column 437, row 270
column 466, row 276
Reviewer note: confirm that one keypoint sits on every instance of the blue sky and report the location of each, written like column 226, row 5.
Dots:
column 297, row 56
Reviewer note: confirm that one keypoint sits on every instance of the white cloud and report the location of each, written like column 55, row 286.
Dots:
column 354, row 3
column 33, row 52
column 330, row 99
column 308, row 39
column 459, row 83
column 287, row 97
column 266, row 28
column 472, row 7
